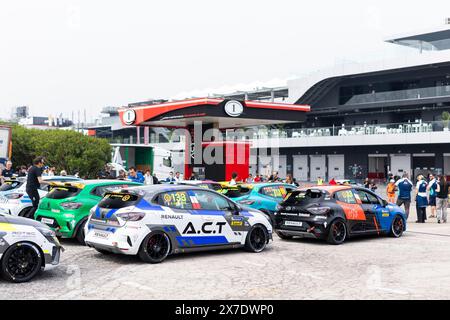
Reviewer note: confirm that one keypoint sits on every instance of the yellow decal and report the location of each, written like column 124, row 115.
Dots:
column 236, row 223
column 7, row 227
column 126, row 198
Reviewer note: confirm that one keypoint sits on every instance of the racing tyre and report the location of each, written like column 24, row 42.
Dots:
column 283, row 236
column 80, row 233
column 21, row 262
column 257, row 239
column 337, row 233
column 155, row 248
column 397, row 227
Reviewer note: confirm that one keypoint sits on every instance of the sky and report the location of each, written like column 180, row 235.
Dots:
column 59, row 56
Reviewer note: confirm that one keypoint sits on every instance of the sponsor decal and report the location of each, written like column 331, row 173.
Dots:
column 126, row 198
column 237, row 223
column 23, row 234
column 172, row 216
column 206, row 228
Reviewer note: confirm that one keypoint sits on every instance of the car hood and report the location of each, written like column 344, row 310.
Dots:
column 24, row 221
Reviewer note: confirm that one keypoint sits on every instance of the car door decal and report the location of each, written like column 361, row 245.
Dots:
column 352, row 211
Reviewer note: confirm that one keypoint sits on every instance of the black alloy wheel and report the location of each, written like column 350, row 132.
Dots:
column 397, row 228
column 257, row 239
column 21, row 262
column 155, row 248
column 337, row 233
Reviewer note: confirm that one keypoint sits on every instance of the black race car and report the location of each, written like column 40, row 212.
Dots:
column 334, row 213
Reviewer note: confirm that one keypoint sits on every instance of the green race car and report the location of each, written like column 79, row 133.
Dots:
column 66, row 207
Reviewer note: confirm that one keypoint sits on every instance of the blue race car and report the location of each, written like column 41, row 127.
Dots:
column 261, row 196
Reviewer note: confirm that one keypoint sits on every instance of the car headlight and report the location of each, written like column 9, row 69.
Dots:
column 46, row 232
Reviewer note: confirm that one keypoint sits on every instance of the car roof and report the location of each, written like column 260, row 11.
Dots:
column 61, row 177
column 329, row 189
column 98, row 182
column 157, row 188
column 194, row 182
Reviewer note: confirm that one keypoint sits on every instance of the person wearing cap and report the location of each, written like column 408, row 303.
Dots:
column 391, row 191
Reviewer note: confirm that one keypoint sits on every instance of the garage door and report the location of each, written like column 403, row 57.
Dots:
column 300, row 169
column 279, row 164
column 400, row 163
column 317, row 167
column 336, row 166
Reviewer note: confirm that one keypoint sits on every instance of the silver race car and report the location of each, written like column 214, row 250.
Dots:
column 26, row 248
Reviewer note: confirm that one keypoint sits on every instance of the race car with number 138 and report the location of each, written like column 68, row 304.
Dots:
column 156, row 221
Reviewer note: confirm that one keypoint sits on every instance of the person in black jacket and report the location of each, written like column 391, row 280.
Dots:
column 34, row 181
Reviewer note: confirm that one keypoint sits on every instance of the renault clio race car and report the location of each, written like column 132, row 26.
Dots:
column 66, row 207
column 26, row 248
column 156, row 221
column 334, row 213
column 15, row 199
column 261, row 196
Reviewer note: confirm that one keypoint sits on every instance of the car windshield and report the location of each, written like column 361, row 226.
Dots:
column 235, row 192
column 118, row 200
column 65, row 192
column 299, row 197
column 10, row 185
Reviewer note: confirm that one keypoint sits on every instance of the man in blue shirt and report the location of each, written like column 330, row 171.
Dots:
column 404, row 186
column 135, row 176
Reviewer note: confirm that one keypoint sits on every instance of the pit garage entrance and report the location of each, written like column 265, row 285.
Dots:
column 197, row 116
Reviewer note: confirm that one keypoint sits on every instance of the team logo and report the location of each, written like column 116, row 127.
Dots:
column 126, row 198
column 207, row 228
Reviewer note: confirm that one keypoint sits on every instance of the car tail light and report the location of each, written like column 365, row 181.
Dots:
column 14, row 196
column 247, row 202
column 71, row 205
column 319, row 210
column 131, row 216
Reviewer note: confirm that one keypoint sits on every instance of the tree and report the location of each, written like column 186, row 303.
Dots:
column 445, row 118
column 65, row 150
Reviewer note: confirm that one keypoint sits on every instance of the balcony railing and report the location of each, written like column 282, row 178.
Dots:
column 378, row 129
column 337, row 131
column 409, row 94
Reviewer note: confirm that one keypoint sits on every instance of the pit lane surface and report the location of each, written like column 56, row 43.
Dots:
column 416, row 266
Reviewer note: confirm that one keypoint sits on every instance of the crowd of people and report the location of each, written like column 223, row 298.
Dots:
column 430, row 192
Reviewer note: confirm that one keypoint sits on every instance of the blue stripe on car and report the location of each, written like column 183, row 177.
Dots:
column 198, row 241
column 110, row 213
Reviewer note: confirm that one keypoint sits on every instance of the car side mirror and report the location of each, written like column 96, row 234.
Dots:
column 237, row 210
column 385, row 203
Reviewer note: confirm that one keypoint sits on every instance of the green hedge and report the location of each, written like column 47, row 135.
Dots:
column 65, row 150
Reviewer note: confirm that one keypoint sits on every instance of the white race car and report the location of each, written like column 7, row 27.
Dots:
column 15, row 200
column 26, row 248
column 156, row 221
